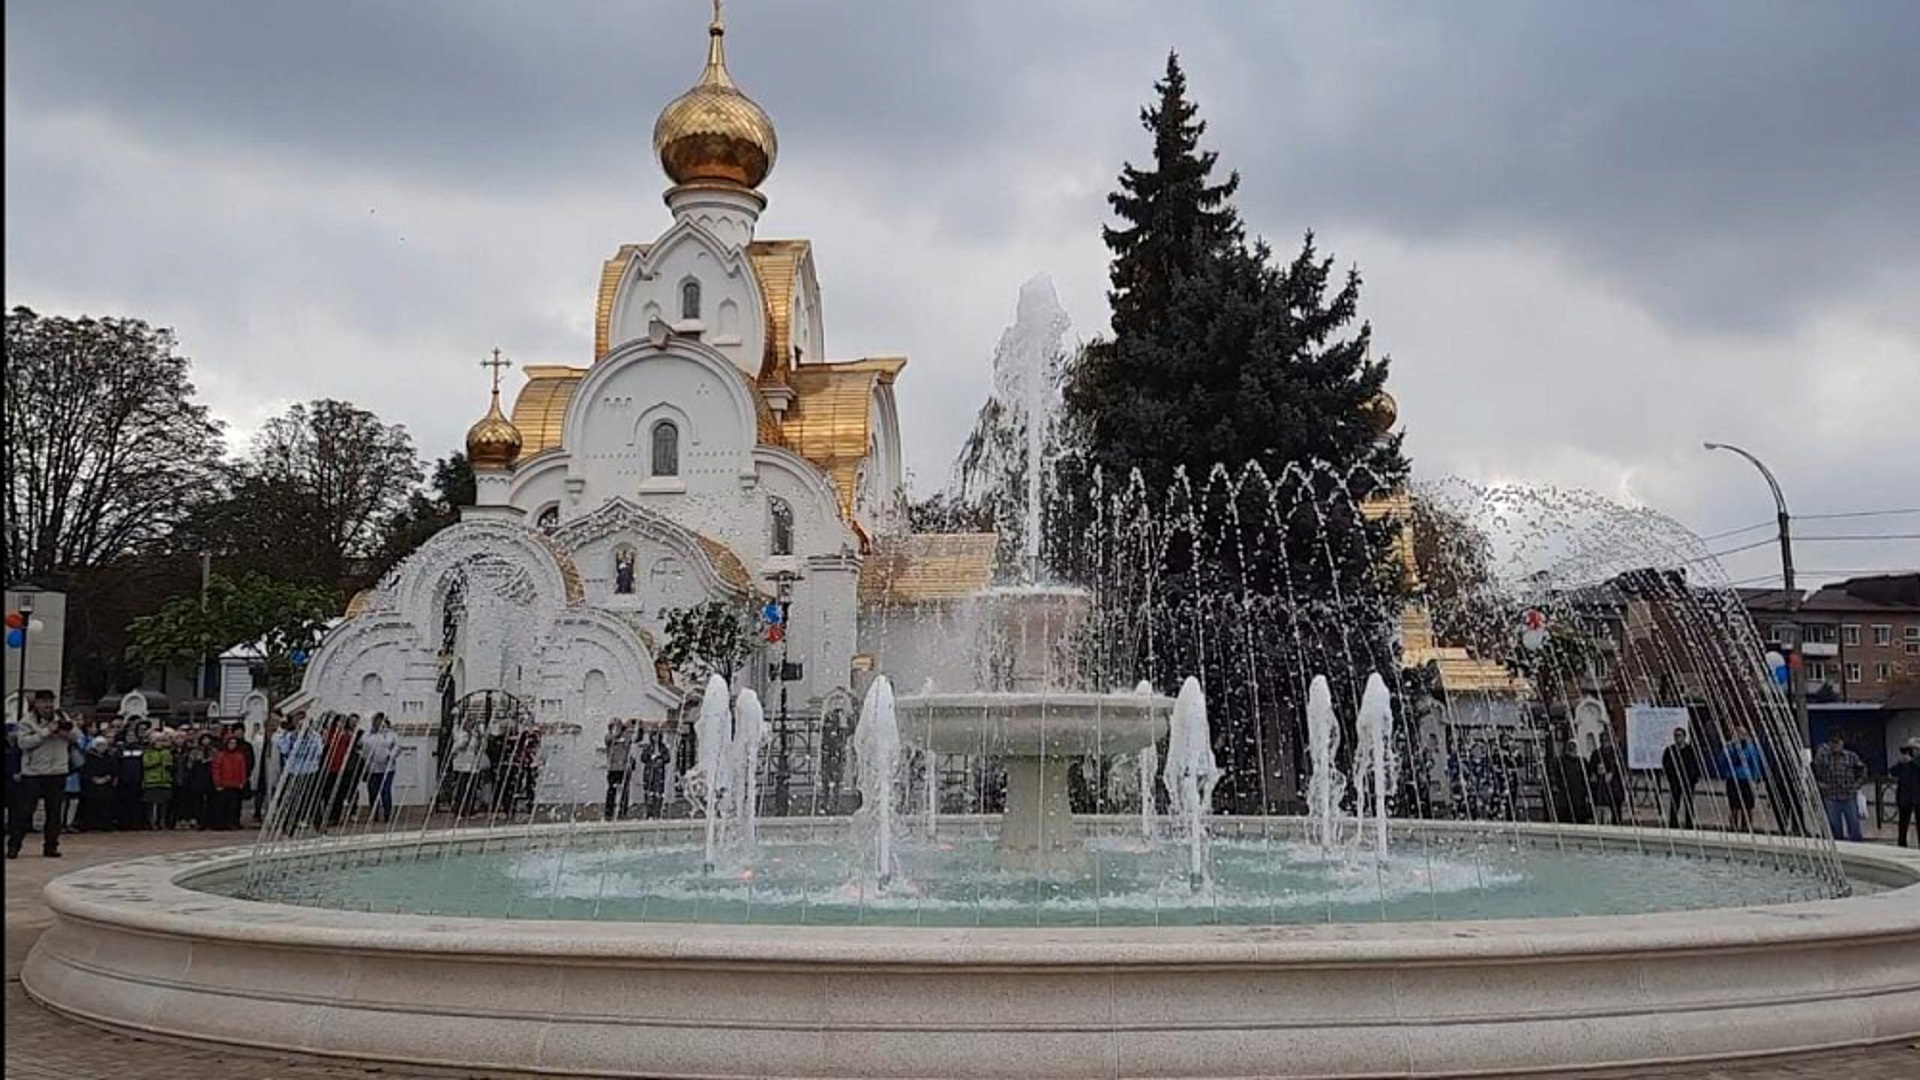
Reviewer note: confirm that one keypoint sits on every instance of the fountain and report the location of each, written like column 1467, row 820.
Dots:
column 1032, row 719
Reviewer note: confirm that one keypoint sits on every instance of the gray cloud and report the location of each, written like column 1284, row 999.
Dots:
column 1592, row 236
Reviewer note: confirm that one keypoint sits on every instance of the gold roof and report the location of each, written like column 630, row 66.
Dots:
column 493, row 442
column 830, row 422
column 540, row 411
column 713, row 133
column 923, row 568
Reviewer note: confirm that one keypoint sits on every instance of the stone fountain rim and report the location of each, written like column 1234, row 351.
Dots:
column 153, row 896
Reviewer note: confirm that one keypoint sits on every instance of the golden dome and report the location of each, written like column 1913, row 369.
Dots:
column 713, row 133
column 1385, row 412
column 493, row 443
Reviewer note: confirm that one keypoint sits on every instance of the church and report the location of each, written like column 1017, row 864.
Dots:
column 709, row 448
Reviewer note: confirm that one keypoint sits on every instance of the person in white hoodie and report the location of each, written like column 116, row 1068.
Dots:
column 378, row 748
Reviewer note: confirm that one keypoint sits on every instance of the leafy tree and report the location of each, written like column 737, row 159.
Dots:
column 1454, row 558
column 313, row 499
column 427, row 512
column 279, row 617
column 945, row 513
column 106, row 448
column 717, row 636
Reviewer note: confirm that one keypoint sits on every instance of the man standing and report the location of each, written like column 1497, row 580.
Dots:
column 45, row 739
column 1839, row 772
column 619, row 769
column 299, row 751
column 654, row 758
column 1906, row 796
column 1743, row 771
column 1681, row 764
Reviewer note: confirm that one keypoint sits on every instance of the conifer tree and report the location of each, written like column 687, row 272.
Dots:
column 1223, row 357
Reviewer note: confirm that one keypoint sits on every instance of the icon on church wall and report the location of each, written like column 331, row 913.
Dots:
column 623, row 571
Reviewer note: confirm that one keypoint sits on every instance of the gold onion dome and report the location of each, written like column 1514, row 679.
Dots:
column 1384, row 410
column 493, row 443
column 713, row 133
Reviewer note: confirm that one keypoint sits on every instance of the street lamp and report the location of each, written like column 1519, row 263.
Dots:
column 1796, row 686
column 24, row 605
column 783, row 766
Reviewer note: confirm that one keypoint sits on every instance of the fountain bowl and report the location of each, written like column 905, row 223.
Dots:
column 138, row 947
column 1033, row 724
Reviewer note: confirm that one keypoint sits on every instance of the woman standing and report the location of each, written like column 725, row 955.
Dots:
column 229, row 773
column 156, row 780
column 469, row 762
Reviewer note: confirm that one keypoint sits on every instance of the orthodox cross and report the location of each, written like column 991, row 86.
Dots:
column 496, row 363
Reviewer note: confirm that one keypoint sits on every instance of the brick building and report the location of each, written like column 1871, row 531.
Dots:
column 1859, row 638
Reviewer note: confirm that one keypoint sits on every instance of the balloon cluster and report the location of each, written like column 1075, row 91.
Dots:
column 18, row 626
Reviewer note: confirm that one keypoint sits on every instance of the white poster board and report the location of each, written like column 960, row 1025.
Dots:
column 1650, row 732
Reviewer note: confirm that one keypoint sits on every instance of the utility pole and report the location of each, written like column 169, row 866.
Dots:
column 200, row 672
column 783, row 769
column 25, row 607
column 1796, row 683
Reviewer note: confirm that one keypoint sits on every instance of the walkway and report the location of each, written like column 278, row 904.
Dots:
column 44, row 1046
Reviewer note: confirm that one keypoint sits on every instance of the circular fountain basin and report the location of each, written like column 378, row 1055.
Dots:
column 1036, row 736
column 144, row 946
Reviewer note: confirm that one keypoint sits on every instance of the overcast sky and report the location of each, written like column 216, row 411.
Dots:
column 1592, row 235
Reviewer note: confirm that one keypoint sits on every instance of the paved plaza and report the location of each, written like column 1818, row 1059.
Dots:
column 43, row 1046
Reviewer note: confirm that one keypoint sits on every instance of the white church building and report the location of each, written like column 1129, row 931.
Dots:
column 708, row 448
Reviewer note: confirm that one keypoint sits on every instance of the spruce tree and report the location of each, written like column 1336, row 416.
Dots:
column 1223, row 357
column 1175, row 220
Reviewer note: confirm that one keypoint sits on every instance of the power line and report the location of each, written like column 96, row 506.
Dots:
column 1737, row 532
column 1856, row 514
column 1738, row 550
column 1863, row 536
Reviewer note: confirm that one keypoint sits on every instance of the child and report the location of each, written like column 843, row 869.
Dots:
column 156, row 780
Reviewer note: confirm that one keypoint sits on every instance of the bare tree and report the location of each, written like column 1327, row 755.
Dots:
column 106, row 448
column 313, row 497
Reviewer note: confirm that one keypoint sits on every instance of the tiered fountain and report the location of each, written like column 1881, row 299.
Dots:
column 1032, row 714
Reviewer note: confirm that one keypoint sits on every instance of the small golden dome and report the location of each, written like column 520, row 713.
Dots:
column 493, row 443
column 713, row 133
column 1385, row 412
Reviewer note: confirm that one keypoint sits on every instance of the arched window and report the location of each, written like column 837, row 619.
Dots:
column 549, row 519
column 690, row 299
column 782, row 530
column 666, row 448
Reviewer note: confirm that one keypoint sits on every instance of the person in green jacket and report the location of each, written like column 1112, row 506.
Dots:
column 156, row 779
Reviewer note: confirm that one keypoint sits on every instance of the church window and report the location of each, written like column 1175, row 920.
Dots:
column 549, row 519
column 782, row 531
column 666, row 448
column 690, row 299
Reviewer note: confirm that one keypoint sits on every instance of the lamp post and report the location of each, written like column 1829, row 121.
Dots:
column 25, row 607
column 1796, row 685
column 783, row 766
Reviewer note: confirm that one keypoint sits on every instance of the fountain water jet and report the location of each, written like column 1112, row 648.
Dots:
column 876, row 744
column 708, row 781
column 749, row 736
column 1191, row 774
column 1372, row 763
column 1323, row 745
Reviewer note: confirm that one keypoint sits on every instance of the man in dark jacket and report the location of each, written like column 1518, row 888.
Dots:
column 1906, row 796
column 654, row 758
column 1681, row 764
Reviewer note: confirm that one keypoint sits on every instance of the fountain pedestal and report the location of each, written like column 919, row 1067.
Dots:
column 1038, row 736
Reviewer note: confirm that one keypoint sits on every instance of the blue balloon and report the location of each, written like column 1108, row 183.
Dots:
column 16, row 638
column 299, row 656
column 1780, row 674
column 771, row 612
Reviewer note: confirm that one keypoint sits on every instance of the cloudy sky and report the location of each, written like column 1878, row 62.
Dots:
column 1592, row 235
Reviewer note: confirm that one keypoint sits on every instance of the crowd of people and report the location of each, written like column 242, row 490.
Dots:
column 321, row 768
column 125, row 774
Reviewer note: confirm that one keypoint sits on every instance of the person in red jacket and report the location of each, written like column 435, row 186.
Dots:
column 229, row 782
column 342, row 737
